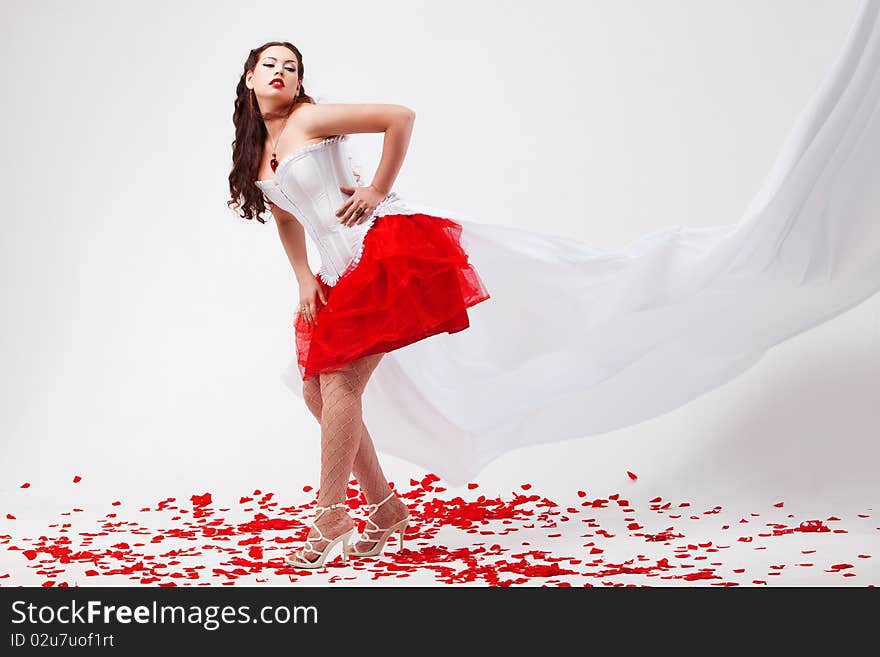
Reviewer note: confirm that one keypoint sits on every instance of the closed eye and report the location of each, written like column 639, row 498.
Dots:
column 292, row 70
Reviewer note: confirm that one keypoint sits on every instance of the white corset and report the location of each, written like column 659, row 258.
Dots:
column 307, row 184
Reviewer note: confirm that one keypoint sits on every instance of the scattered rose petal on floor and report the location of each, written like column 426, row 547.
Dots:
column 451, row 539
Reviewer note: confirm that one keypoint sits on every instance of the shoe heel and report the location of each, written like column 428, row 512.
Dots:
column 345, row 540
column 400, row 542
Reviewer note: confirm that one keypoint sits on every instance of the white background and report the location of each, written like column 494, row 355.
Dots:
column 146, row 325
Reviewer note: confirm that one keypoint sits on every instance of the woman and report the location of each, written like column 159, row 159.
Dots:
column 389, row 276
column 575, row 340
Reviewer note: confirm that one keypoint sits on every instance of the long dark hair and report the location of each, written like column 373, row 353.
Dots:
column 250, row 136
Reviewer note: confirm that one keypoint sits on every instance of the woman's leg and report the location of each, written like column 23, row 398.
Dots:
column 340, row 414
column 366, row 463
column 367, row 469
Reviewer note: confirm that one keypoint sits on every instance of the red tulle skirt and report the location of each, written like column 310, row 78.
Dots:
column 413, row 280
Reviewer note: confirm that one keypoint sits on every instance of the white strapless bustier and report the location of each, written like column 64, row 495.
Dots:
column 307, row 184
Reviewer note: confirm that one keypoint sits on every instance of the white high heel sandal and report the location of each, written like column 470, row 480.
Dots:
column 384, row 533
column 293, row 560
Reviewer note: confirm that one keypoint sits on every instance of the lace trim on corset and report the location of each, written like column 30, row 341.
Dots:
column 307, row 149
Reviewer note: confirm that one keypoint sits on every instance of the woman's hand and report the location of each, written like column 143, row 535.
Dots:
column 359, row 205
column 310, row 291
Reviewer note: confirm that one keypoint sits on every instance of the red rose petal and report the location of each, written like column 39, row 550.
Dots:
column 839, row 566
column 201, row 500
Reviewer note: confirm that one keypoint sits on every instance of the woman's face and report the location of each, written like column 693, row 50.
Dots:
column 276, row 75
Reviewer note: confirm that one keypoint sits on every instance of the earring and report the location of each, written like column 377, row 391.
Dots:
column 251, row 100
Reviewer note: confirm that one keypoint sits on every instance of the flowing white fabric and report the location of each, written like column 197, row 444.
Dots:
column 623, row 336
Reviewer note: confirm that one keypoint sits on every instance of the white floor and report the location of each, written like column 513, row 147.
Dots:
column 83, row 537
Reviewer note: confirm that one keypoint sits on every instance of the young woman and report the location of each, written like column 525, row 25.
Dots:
column 389, row 276
column 574, row 340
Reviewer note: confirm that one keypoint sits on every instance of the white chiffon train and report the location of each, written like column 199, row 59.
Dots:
column 623, row 336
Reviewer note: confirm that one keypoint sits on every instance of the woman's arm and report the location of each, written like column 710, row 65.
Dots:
column 293, row 238
column 396, row 121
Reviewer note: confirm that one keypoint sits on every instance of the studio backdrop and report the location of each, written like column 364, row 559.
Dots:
column 148, row 329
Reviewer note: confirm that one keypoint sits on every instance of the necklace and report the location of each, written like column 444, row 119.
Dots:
column 274, row 161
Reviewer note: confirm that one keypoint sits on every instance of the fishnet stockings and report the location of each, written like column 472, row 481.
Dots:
column 334, row 398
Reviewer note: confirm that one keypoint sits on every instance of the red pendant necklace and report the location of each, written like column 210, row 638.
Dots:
column 274, row 161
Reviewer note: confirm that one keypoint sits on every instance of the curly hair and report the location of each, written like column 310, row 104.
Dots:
column 250, row 136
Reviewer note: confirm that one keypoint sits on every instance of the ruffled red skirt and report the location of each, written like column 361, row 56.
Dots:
column 413, row 280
